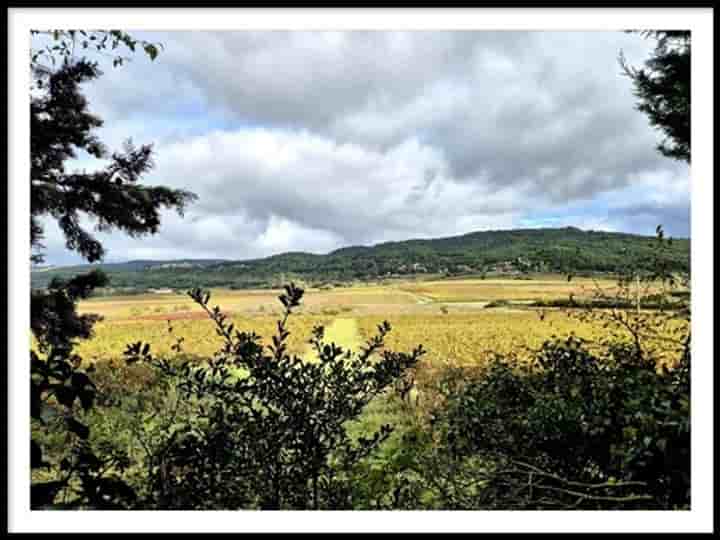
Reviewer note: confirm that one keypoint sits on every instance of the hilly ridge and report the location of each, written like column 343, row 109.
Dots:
column 484, row 252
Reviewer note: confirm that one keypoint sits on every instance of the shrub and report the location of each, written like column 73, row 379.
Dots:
column 66, row 471
column 592, row 432
column 270, row 429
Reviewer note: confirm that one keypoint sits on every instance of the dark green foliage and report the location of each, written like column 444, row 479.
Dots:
column 57, row 383
column 612, row 427
column 60, row 394
column 270, row 429
column 663, row 90
column 66, row 45
column 546, row 250
column 74, row 473
column 53, row 317
column 60, row 127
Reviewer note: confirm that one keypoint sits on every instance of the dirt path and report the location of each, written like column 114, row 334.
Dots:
column 343, row 332
column 419, row 298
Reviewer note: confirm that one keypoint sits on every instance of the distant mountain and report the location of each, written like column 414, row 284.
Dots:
column 485, row 252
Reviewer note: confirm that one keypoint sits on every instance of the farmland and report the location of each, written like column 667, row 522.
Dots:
column 457, row 321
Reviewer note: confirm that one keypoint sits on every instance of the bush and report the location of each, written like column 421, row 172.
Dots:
column 67, row 471
column 574, row 431
column 269, row 430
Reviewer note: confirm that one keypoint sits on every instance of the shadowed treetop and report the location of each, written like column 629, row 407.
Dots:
column 663, row 90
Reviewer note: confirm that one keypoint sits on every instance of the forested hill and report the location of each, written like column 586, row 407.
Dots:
column 568, row 250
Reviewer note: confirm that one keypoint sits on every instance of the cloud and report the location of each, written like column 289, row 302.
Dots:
column 315, row 140
column 347, row 191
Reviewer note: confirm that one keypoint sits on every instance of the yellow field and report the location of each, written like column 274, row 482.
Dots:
column 250, row 302
column 449, row 318
column 200, row 338
column 487, row 290
column 471, row 339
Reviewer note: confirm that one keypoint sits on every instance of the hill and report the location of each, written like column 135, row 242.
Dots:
column 567, row 250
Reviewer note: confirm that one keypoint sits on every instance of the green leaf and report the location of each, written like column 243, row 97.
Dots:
column 86, row 398
column 80, row 381
column 35, row 402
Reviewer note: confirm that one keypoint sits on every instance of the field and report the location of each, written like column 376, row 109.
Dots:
column 545, row 287
column 459, row 322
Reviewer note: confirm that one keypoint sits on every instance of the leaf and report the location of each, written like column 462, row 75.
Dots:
column 151, row 51
column 65, row 395
column 36, row 456
column 35, row 402
column 86, row 398
column 80, row 381
column 81, row 430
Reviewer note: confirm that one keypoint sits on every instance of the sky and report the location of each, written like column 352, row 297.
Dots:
column 311, row 141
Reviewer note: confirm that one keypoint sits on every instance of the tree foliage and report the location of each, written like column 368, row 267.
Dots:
column 583, row 430
column 539, row 250
column 67, row 46
column 662, row 87
column 61, row 127
column 61, row 390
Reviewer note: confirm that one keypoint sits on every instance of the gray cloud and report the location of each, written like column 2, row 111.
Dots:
column 675, row 218
column 313, row 140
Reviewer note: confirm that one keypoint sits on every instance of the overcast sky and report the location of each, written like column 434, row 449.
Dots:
column 309, row 141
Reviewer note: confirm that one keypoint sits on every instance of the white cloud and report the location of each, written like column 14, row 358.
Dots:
column 313, row 140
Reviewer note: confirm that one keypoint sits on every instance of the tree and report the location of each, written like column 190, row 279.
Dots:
column 663, row 90
column 67, row 45
column 61, row 126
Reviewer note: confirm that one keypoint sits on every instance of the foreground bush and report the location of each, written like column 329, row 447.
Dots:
column 269, row 430
column 573, row 431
